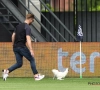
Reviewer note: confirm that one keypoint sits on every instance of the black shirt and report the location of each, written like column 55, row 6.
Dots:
column 21, row 31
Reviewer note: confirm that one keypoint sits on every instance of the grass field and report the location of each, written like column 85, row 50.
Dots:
column 49, row 84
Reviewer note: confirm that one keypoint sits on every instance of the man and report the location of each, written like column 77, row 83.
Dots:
column 19, row 38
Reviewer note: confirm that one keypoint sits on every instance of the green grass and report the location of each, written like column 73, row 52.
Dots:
column 49, row 84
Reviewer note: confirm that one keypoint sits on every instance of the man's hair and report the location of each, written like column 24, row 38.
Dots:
column 28, row 16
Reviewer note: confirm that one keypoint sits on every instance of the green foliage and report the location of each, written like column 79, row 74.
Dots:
column 88, row 5
column 49, row 6
column 95, row 9
column 82, row 5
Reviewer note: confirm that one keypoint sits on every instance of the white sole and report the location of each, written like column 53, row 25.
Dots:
column 40, row 79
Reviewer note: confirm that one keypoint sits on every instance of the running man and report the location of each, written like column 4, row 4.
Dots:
column 19, row 38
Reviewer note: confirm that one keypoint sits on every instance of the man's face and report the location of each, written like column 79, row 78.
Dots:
column 31, row 20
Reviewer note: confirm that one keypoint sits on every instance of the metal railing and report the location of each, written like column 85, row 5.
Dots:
column 27, row 8
column 20, row 17
column 47, row 20
column 57, row 31
column 37, row 20
column 58, row 20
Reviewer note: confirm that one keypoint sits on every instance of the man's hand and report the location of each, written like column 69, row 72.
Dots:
column 29, row 44
column 32, row 53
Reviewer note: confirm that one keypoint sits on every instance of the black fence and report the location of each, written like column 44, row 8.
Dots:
column 73, row 13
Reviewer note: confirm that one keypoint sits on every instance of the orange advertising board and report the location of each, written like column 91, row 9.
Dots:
column 58, row 55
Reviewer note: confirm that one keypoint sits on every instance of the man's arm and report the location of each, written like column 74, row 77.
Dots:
column 13, row 38
column 28, row 38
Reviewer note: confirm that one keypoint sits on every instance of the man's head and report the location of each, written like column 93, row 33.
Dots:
column 29, row 18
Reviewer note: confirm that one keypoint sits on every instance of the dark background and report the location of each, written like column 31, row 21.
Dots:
column 89, row 20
